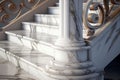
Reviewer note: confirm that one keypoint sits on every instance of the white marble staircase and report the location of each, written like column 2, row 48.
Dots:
column 32, row 48
column 8, row 71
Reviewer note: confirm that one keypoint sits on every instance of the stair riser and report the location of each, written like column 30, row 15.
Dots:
column 40, row 46
column 53, row 10
column 52, row 20
column 41, row 29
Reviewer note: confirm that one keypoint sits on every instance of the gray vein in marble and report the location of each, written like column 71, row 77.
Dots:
column 9, row 72
column 28, row 54
column 33, row 35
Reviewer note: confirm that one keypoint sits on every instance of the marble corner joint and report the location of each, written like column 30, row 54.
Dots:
column 72, row 57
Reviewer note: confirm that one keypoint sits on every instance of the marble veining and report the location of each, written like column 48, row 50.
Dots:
column 71, row 57
column 47, row 19
column 25, row 53
column 33, row 35
column 40, row 24
column 9, row 72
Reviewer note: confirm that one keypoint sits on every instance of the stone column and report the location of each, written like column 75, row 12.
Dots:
column 65, row 25
column 64, row 32
column 72, row 60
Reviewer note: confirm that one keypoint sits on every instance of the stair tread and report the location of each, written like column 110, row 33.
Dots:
column 29, row 55
column 39, row 37
column 41, row 24
column 8, row 71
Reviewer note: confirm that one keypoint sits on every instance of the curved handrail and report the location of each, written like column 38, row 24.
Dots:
column 10, row 10
column 97, row 14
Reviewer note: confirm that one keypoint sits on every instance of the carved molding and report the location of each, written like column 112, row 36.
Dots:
column 12, row 9
column 97, row 14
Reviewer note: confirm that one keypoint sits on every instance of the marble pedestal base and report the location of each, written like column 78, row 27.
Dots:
column 71, row 63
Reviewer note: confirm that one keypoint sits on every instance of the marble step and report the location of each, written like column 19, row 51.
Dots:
column 41, row 28
column 53, row 10
column 38, row 41
column 47, row 19
column 32, row 61
column 83, row 77
column 9, row 71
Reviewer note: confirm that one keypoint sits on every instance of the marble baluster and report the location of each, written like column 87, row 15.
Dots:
column 72, row 60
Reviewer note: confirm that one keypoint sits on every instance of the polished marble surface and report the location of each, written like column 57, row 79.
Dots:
column 34, row 25
column 33, row 35
column 25, row 53
column 47, row 19
column 9, row 72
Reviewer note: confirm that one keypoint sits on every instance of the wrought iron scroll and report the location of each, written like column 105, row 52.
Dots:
column 96, row 14
column 12, row 9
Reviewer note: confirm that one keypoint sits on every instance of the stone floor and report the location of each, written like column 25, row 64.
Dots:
column 9, row 72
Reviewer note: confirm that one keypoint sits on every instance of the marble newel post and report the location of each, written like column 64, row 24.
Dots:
column 72, row 60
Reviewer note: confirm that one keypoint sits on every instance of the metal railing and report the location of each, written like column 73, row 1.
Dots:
column 10, row 10
column 96, row 13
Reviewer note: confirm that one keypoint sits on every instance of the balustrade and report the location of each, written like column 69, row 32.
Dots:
column 71, row 50
column 96, row 14
column 10, row 10
column 71, row 47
